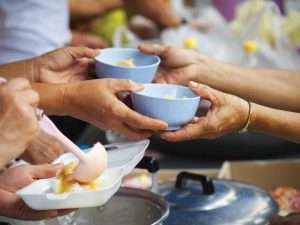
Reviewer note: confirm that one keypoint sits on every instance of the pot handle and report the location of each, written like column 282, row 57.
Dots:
column 206, row 182
column 148, row 163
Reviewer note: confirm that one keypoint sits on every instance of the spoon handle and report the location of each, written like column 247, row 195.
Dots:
column 49, row 127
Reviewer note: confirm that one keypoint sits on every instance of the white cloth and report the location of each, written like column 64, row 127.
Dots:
column 32, row 27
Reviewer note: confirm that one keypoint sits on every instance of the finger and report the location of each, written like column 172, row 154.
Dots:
column 195, row 119
column 33, row 215
column 132, row 134
column 160, row 76
column 45, row 171
column 205, row 92
column 189, row 132
column 119, row 85
column 31, row 97
column 81, row 52
column 155, row 49
column 19, row 84
column 63, row 212
column 139, row 121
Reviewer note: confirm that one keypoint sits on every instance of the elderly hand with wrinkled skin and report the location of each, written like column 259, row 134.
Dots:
column 227, row 114
column 18, row 122
column 179, row 65
column 99, row 104
column 43, row 149
column 13, row 179
column 65, row 65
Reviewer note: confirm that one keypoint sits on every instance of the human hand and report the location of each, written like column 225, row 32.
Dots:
column 97, row 102
column 64, row 65
column 18, row 122
column 157, row 10
column 227, row 114
column 43, row 149
column 179, row 66
column 87, row 40
column 18, row 177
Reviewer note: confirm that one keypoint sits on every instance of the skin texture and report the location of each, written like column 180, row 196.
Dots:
column 63, row 65
column 258, row 85
column 43, row 149
column 18, row 122
column 87, row 40
column 98, row 104
column 229, row 113
column 18, row 177
column 157, row 10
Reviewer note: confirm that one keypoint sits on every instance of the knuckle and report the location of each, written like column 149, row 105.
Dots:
column 117, row 111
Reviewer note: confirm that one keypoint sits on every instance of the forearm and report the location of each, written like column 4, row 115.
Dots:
column 24, row 68
column 275, row 122
column 274, row 88
column 90, row 8
column 52, row 98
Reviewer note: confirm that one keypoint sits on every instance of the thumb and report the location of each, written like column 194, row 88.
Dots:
column 119, row 85
column 81, row 52
column 45, row 171
column 153, row 49
column 206, row 92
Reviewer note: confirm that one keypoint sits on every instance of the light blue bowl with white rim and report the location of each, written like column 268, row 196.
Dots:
column 143, row 72
column 174, row 104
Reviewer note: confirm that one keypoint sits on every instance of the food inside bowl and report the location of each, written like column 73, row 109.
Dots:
column 172, row 97
column 65, row 184
column 127, row 63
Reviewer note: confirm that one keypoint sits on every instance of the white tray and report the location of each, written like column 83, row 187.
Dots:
column 121, row 161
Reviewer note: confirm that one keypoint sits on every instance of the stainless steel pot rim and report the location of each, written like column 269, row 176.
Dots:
column 150, row 196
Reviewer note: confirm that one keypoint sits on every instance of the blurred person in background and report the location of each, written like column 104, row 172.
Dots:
column 31, row 27
column 260, row 100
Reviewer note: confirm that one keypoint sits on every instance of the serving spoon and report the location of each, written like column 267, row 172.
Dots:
column 91, row 164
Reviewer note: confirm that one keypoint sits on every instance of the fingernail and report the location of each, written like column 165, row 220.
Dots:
column 58, row 165
column 193, row 84
column 136, row 85
column 196, row 119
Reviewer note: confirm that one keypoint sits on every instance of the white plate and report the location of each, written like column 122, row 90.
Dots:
column 121, row 161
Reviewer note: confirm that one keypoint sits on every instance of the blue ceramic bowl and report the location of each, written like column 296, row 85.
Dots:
column 143, row 72
column 174, row 104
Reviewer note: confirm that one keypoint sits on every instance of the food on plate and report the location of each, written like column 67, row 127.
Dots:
column 66, row 184
column 91, row 165
column 127, row 63
column 288, row 200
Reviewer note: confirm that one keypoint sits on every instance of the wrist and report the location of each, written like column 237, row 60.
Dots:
column 69, row 97
column 246, row 117
column 34, row 70
column 253, row 116
column 207, row 71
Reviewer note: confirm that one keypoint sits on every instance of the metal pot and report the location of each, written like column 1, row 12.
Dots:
column 199, row 200
column 132, row 206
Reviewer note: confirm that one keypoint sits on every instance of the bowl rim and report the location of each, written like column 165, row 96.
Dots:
column 157, row 58
column 161, row 98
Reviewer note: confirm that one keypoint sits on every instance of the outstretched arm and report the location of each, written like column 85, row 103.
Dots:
column 273, row 88
column 229, row 113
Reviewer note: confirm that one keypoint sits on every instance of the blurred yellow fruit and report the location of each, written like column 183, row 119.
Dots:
column 250, row 46
column 191, row 43
column 106, row 26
